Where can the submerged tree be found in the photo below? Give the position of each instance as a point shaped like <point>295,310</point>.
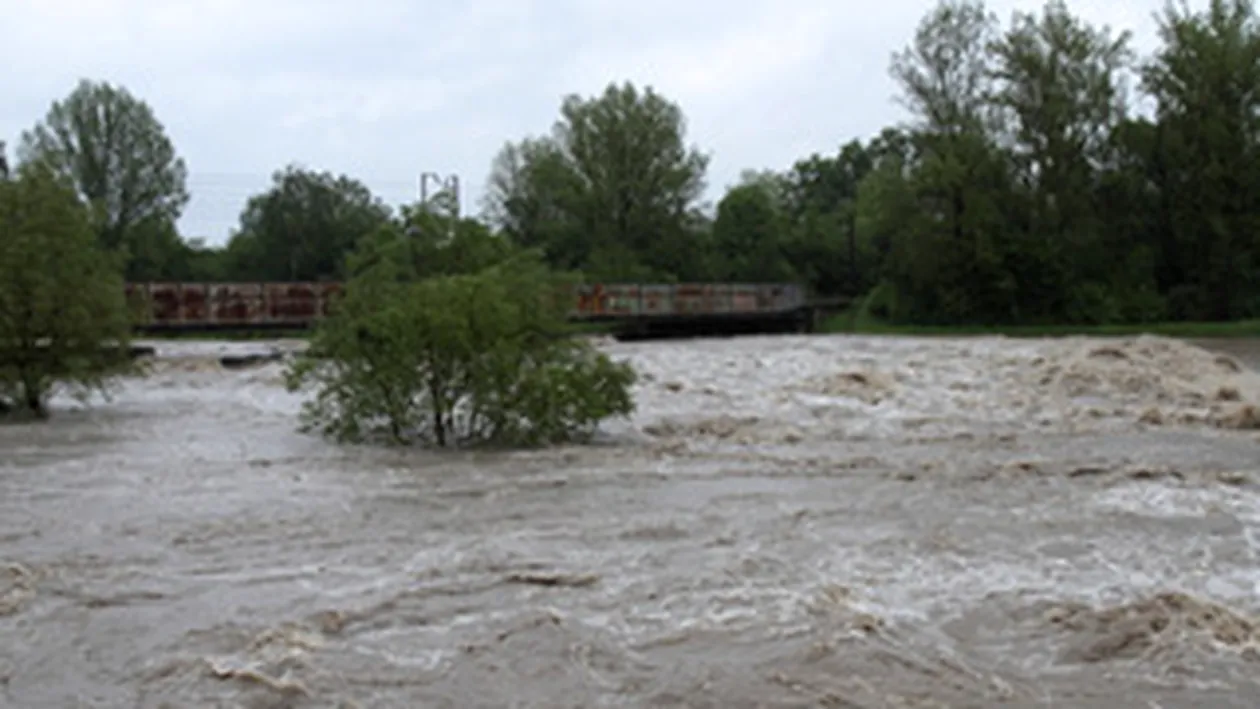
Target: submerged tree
<point>64,318</point>
<point>457,359</point>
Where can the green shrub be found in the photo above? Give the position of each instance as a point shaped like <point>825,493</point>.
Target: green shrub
<point>64,318</point>
<point>462,359</point>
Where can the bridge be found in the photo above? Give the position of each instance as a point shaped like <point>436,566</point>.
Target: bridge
<point>629,310</point>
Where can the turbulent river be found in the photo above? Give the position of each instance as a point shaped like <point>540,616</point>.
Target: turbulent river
<point>786,522</point>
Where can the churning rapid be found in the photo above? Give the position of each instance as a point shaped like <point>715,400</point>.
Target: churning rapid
<point>786,522</point>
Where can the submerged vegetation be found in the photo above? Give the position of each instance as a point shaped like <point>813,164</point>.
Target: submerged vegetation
<point>455,359</point>
<point>64,321</point>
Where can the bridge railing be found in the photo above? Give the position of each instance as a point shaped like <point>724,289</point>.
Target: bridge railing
<point>298,305</point>
<point>637,300</point>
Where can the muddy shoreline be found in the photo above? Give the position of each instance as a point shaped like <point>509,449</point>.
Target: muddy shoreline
<point>787,522</point>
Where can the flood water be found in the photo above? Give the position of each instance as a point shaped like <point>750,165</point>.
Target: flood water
<point>786,522</point>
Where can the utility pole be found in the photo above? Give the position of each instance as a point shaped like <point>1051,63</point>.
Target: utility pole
<point>447,191</point>
<point>447,186</point>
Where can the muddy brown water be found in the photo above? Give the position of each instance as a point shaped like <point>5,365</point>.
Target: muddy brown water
<point>786,522</point>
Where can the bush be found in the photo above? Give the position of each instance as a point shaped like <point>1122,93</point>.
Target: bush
<point>64,319</point>
<point>455,359</point>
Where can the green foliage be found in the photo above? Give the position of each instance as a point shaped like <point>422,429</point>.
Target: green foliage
<point>446,245</point>
<point>946,70</point>
<point>822,241</point>
<point>117,153</point>
<point>748,236</point>
<point>63,315</point>
<point>302,228</point>
<point>1204,81</point>
<point>1029,195</point>
<point>946,220</point>
<point>612,191</point>
<point>460,358</point>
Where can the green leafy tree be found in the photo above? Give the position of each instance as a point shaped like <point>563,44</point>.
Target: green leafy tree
<point>157,253</point>
<point>1062,83</point>
<point>303,227</point>
<point>1205,83</point>
<point>885,209</point>
<point>822,194</point>
<point>1134,221</point>
<point>945,73</point>
<point>775,184</point>
<point>64,319</point>
<point>947,264</point>
<point>442,244</point>
<point>749,235</point>
<point>197,262</point>
<point>121,161</point>
<point>533,198</point>
<point>612,191</point>
<point>465,359</point>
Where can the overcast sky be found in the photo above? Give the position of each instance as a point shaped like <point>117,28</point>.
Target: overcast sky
<point>386,89</point>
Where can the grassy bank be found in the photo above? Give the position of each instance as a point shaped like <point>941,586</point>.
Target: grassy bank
<point>859,324</point>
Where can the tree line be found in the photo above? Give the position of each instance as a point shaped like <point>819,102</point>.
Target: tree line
<point>1046,173</point>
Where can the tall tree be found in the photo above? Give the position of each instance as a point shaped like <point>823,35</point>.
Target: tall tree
<point>532,197</point>
<point>948,265</point>
<point>945,73</point>
<point>302,228</point>
<point>1205,82</point>
<point>118,154</point>
<point>612,190</point>
<point>1061,82</point>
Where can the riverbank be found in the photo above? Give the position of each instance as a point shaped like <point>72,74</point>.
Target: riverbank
<point>857,324</point>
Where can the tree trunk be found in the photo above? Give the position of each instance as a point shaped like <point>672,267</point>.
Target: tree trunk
<point>854,288</point>
<point>34,396</point>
